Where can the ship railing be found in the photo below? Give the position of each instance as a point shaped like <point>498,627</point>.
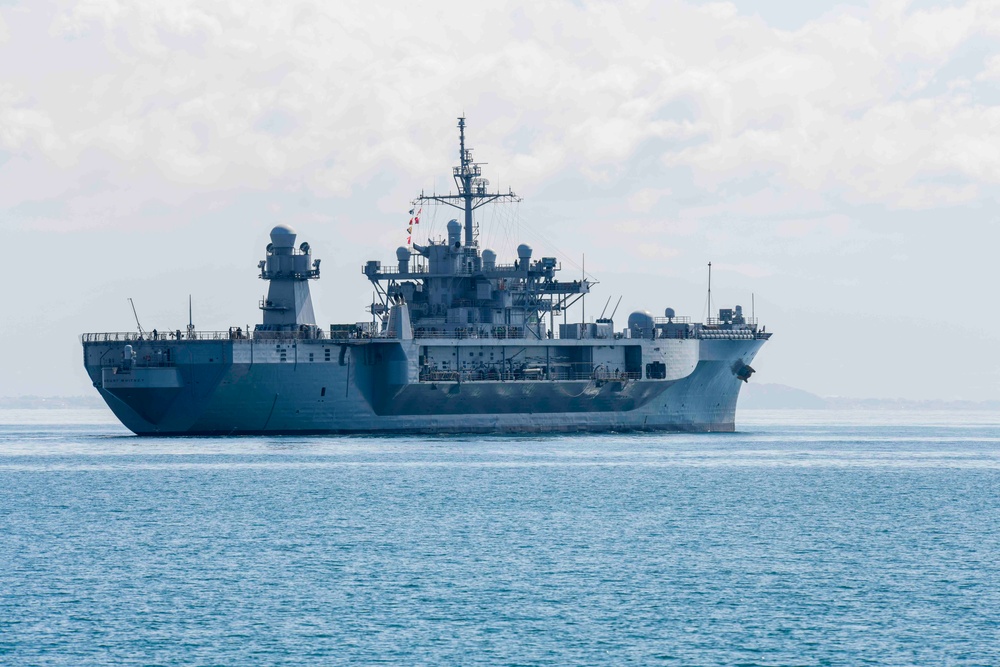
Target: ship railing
<point>181,335</point>
<point>672,320</point>
<point>528,374</point>
<point>463,269</point>
<point>675,333</point>
<point>140,363</point>
<point>679,333</point>
<point>608,375</point>
<point>532,369</point>
<point>394,270</point>
<point>715,321</point>
<point>494,333</point>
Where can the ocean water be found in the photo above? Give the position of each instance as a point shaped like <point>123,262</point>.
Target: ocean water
<point>809,538</point>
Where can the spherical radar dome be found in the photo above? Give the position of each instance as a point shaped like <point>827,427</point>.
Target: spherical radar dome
<point>283,236</point>
<point>640,319</point>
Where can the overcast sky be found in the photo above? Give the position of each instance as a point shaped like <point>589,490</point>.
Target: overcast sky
<point>838,161</point>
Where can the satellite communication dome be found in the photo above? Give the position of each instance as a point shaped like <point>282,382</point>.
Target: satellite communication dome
<point>454,232</point>
<point>524,252</point>
<point>283,236</point>
<point>640,319</point>
<point>403,254</point>
<point>669,313</point>
<point>489,260</point>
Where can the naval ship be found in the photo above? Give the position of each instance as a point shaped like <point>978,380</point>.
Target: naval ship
<point>459,341</point>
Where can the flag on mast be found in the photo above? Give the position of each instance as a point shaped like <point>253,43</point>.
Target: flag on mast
<point>414,220</point>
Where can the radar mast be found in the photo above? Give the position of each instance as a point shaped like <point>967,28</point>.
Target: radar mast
<point>473,189</point>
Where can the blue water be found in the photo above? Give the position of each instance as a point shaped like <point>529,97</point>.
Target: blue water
<point>806,539</point>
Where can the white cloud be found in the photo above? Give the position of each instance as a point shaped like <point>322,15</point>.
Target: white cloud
<point>657,251</point>
<point>744,269</point>
<point>991,71</point>
<point>241,94</point>
<point>643,201</point>
<point>834,107</point>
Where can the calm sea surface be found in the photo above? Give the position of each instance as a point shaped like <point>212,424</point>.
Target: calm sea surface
<point>809,538</point>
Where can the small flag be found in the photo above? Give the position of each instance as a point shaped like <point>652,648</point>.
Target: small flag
<point>411,221</point>
<point>411,211</point>
<point>409,230</point>
<point>408,240</point>
<point>416,220</point>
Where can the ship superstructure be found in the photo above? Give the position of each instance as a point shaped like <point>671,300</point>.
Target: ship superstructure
<point>461,342</point>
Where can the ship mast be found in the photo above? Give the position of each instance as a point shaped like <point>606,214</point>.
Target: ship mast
<point>473,189</point>
<point>460,286</point>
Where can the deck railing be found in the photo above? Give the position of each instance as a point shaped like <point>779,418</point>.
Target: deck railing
<point>531,375</point>
<point>493,333</point>
<point>499,333</point>
<point>175,335</point>
<point>715,321</point>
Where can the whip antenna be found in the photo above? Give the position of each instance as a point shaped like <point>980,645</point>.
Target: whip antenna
<point>606,304</point>
<point>709,316</point>
<point>135,315</point>
<point>616,307</point>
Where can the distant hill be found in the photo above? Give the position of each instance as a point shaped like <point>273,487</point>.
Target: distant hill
<point>779,397</point>
<point>50,402</point>
<point>782,397</point>
<point>840,403</point>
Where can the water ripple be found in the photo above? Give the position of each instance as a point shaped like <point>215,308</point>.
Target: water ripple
<point>798,541</point>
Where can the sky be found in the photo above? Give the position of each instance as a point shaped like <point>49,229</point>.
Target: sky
<point>838,163</point>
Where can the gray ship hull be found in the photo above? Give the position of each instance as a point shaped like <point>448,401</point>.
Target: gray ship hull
<point>460,341</point>
<point>241,387</point>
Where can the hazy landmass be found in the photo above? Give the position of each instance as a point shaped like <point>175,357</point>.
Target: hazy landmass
<point>779,396</point>
<point>50,402</point>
